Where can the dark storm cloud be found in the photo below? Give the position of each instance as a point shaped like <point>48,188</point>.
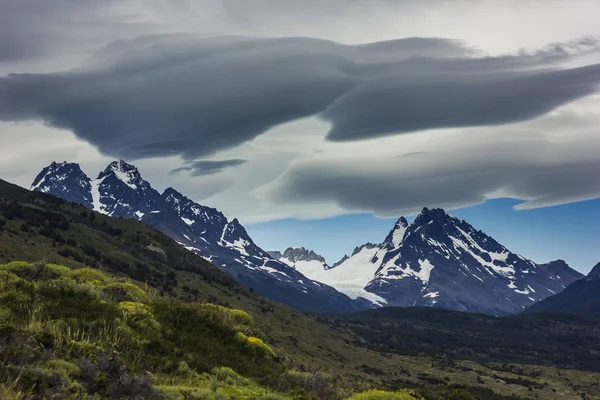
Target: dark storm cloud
<point>183,95</point>
<point>200,168</point>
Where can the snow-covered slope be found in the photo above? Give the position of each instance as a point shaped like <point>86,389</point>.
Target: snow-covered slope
<point>120,191</point>
<point>441,261</point>
<point>349,277</point>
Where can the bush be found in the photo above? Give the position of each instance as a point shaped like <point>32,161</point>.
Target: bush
<point>381,395</point>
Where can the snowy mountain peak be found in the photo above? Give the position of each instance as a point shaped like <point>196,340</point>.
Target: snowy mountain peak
<point>396,236</point>
<point>126,173</point>
<point>234,233</point>
<point>65,180</point>
<point>120,191</point>
<point>441,256</point>
<point>192,212</point>
<point>401,223</point>
<point>432,216</point>
<point>172,195</point>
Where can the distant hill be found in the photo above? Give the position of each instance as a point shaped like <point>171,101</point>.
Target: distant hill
<point>581,297</point>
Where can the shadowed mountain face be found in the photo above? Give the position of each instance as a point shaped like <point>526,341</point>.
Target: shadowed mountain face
<point>581,297</point>
<point>120,191</point>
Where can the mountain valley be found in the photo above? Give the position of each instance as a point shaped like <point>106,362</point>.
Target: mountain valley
<point>36,226</point>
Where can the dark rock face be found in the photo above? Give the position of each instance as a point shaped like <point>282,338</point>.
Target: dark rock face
<point>121,192</point>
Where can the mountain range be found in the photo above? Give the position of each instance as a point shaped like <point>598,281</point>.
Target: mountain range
<point>436,261</point>
<point>120,191</point>
<point>442,261</point>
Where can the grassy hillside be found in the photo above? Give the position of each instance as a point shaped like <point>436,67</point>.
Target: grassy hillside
<point>35,227</point>
<point>80,333</point>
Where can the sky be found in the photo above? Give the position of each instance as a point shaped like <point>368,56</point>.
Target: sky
<point>319,123</point>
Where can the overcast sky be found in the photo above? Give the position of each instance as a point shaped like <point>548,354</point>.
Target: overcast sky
<point>279,109</point>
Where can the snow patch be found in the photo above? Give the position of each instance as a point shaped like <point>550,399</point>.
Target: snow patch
<point>96,203</point>
<point>187,220</point>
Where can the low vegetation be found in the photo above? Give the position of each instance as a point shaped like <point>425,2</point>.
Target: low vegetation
<point>83,334</point>
<point>559,340</point>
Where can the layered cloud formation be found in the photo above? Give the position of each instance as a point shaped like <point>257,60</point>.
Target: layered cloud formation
<point>269,110</point>
<point>450,170</point>
<point>188,96</point>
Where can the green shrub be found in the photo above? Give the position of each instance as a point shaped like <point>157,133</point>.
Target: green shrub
<point>89,275</point>
<point>381,395</point>
<point>124,291</point>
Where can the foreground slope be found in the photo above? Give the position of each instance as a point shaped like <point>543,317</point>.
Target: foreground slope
<point>120,191</point>
<point>581,297</point>
<point>34,226</point>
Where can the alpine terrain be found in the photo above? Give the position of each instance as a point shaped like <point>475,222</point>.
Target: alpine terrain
<point>441,261</point>
<point>119,191</point>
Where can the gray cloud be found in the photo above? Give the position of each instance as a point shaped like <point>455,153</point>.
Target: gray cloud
<point>457,171</point>
<point>200,168</point>
<point>183,95</point>
<point>31,30</point>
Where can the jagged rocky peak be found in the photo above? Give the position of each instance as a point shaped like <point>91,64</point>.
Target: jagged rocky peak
<point>235,231</point>
<point>436,224</point>
<point>436,217</point>
<point>186,207</point>
<point>295,254</point>
<point>396,236</point>
<point>177,201</point>
<point>58,172</point>
<point>120,191</point>
<point>65,180</point>
<point>126,173</point>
